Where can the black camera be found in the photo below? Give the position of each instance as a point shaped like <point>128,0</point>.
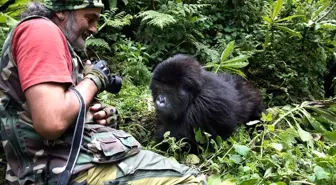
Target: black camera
<point>115,84</point>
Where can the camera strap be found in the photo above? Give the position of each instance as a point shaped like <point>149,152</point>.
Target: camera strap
<point>76,141</point>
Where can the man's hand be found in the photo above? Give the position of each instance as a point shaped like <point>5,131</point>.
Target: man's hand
<point>104,115</point>
<point>100,74</point>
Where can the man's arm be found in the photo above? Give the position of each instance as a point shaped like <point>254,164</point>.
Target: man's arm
<point>54,107</point>
<point>45,69</point>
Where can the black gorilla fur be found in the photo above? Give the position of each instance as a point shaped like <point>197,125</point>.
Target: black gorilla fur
<point>186,97</point>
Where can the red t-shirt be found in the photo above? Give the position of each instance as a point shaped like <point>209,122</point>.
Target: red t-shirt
<point>41,53</point>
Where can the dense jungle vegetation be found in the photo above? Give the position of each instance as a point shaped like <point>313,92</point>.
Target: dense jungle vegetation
<point>287,48</point>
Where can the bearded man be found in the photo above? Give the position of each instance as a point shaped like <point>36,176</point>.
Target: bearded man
<point>44,86</point>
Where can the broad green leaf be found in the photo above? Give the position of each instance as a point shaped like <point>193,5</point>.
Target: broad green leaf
<point>322,8</point>
<point>214,180</point>
<point>328,26</point>
<point>192,159</point>
<point>325,115</point>
<point>3,18</point>
<point>228,29</point>
<point>266,118</point>
<point>267,19</point>
<point>236,159</point>
<point>241,149</point>
<point>312,121</point>
<point>276,9</point>
<point>277,146</point>
<point>11,22</point>
<point>210,64</point>
<point>15,9</point>
<point>194,19</point>
<point>237,71</point>
<point>199,136</point>
<point>271,128</point>
<point>8,20</point>
<point>268,172</point>
<point>236,65</point>
<point>331,136</point>
<point>290,31</point>
<point>304,135</point>
<point>289,18</point>
<point>219,140</point>
<point>227,51</point>
<point>317,125</point>
<point>320,173</point>
<point>249,182</point>
<point>332,151</point>
<point>240,58</point>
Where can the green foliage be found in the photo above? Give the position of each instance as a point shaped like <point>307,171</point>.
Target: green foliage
<point>98,43</point>
<point>294,54</point>
<point>135,107</point>
<point>285,149</point>
<point>233,64</point>
<point>111,23</point>
<point>171,28</point>
<point>6,24</point>
<point>157,19</point>
<point>134,58</point>
<point>15,9</point>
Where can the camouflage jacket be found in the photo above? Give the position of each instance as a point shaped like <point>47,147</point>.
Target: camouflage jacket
<point>31,159</point>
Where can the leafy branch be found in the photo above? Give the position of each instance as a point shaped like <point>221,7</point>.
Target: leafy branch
<point>233,64</point>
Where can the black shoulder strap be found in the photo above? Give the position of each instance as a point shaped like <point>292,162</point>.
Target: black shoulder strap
<point>76,141</point>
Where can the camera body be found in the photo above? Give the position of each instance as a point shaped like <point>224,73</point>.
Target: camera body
<point>114,82</point>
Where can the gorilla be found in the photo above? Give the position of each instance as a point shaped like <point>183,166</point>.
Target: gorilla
<point>186,96</point>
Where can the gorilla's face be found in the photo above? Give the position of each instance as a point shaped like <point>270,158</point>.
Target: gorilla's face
<point>170,102</point>
<point>175,84</point>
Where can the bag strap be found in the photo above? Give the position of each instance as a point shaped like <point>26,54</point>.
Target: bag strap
<point>76,141</point>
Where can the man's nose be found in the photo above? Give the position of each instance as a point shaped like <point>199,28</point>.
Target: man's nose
<point>93,29</point>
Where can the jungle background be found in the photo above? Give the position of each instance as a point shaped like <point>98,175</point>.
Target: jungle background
<point>287,48</point>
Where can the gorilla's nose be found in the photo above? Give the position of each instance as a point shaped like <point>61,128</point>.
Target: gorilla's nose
<point>161,100</point>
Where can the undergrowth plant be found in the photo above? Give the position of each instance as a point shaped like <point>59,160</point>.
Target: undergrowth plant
<point>293,144</point>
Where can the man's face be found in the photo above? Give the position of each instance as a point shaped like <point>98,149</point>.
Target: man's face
<point>79,25</point>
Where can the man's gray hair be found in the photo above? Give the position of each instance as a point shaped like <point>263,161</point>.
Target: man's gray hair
<point>36,8</point>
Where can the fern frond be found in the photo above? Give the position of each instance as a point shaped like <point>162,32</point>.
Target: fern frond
<point>120,22</point>
<point>157,19</point>
<point>120,15</point>
<point>101,43</point>
<point>194,8</point>
<point>110,12</point>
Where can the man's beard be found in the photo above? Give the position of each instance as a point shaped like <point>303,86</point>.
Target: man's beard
<point>70,30</point>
